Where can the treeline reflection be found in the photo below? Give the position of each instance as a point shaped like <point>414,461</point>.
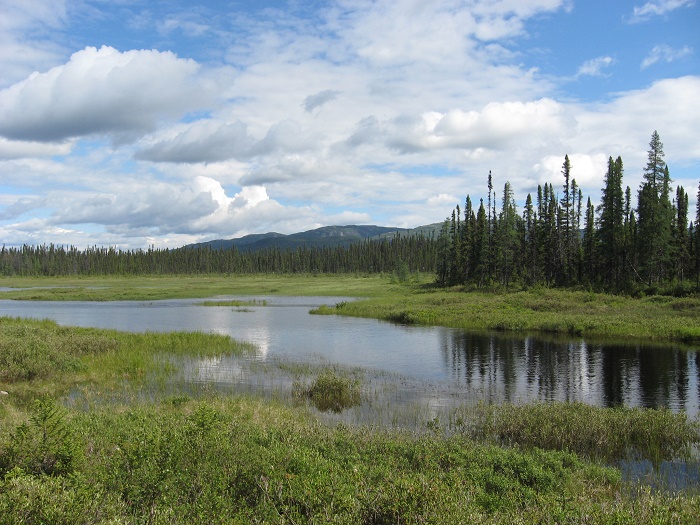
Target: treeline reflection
<point>502,368</point>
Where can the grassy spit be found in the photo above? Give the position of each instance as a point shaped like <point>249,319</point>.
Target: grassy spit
<point>189,457</point>
<point>574,313</point>
<point>578,313</point>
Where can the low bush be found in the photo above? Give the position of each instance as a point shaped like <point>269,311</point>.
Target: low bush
<point>331,392</point>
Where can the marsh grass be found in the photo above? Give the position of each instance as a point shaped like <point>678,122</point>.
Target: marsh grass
<point>598,434</point>
<point>39,358</point>
<point>330,392</point>
<point>573,313</point>
<point>237,303</point>
<point>244,460</point>
<point>145,288</point>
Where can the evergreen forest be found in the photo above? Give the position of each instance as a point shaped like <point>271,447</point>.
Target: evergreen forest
<point>402,254</point>
<point>560,240</point>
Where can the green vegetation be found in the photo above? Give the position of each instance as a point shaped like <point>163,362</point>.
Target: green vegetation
<point>369,256</point>
<point>237,303</point>
<point>330,392</point>
<point>587,314</point>
<point>151,288</point>
<point>197,457</point>
<point>613,247</point>
<point>40,357</point>
<point>607,435</point>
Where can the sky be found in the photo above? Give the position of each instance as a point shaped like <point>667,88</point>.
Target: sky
<point>134,124</point>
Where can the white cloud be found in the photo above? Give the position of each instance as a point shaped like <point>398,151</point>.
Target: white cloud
<point>658,8</point>
<point>666,54</point>
<point>319,99</point>
<point>587,169</point>
<point>21,54</point>
<point>494,127</point>
<point>212,141</point>
<point>101,91</point>
<point>14,149</point>
<point>595,66</point>
<point>443,200</point>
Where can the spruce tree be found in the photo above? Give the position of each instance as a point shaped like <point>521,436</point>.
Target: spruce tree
<point>654,215</point>
<point>611,226</point>
<point>481,246</point>
<point>566,219</point>
<point>589,244</point>
<point>681,242</point>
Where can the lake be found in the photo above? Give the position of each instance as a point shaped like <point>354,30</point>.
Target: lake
<point>438,366</point>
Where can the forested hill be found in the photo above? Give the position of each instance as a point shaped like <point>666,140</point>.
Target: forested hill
<point>335,249</point>
<point>325,237</point>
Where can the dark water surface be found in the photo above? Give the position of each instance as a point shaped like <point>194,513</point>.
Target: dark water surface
<point>489,367</point>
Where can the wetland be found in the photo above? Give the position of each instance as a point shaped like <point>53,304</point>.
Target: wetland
<point>551,413</point>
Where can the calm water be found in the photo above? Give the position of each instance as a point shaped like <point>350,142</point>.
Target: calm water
<point>470,366</point>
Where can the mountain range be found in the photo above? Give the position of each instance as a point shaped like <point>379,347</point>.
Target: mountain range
<point>326,236</point>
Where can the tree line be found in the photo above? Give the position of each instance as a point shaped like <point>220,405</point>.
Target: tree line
<point>415,253</point>
<point>560,240</point>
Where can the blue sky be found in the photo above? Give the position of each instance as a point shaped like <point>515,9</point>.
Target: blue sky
<point>131,123</point>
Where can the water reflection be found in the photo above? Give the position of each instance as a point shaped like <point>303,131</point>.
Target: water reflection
<point>514,369</point>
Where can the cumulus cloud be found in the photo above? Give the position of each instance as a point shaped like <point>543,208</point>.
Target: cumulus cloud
<point>587,169</point>
<point>319,99</point>
<point>210,141</point>
<point>664,53</point>
<point>100,91</point>
<point>203,141</point>
<point>497,125</point>
<point>163,206</point>
<point>20,55</point>
<point>594,67</point>
<point>328,116</point>
<point>14,149</point>
<point>624,124</point>
<point>657,8</point>
<point>443,200</point>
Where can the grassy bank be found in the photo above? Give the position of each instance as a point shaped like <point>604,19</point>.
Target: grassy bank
<point>199,457</point>
<point>578,313</point>
<point>574,313</point>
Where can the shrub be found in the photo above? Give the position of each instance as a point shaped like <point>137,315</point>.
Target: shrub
<point>43,445</point>
<point>331,392</point>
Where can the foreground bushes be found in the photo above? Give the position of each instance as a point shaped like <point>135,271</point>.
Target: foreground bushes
<point>244,461</point>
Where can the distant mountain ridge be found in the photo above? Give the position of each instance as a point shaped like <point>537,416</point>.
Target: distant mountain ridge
<point>326,236</point>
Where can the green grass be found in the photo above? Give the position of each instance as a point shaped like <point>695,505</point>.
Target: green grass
<point>41,357</point>
<point>239,460</point>
<point>236,303</point>
<point>573,313</point>
<point>182,457</point>
<point>416,301</point>
<point>599,434</point>
<point>330,392</point>
<point>185,287</point>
